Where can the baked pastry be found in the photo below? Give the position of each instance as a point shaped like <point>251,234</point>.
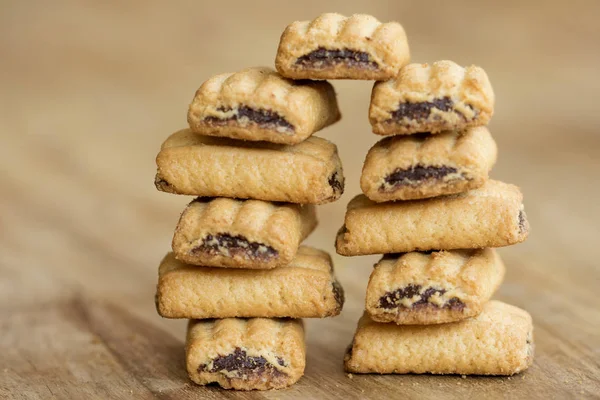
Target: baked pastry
<point>499,341</point>
<point>333,46</point>
<point>307,173</point>
<point>425,165</point>
<point>246,354</point>
<point>432,98</point>
<point>259,104</point>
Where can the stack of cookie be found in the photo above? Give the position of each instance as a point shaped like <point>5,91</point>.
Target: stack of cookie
<point>238,270</point>
<point>333,46</point>
<point>430,208</point>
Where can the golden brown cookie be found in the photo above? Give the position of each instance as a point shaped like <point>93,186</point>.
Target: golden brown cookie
<point>333,46</point>
<point>499,341</point>
<point>433,288</point>
<point>259,104</point>
<point>246,354</point>
<point>309,172</point>
<point>305,288</point>
<point>425,165</point>
<point>491,216</point>
<point>222,232</point>
<point>424,98</point>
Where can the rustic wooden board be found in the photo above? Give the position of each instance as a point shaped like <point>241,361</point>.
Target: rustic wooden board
<point>88,94</point>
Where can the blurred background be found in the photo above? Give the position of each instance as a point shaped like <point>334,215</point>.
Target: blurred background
<point>89,90</point>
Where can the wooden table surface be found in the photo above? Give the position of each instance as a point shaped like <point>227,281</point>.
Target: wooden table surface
<point>90,91</point>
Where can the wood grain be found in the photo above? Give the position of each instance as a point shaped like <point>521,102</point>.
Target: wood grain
<point>89,91</point>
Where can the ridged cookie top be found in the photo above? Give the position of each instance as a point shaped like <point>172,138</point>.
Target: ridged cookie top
<point>251,332</point>
<point>423,82</point>
<point>385,42</point>
<point>278,341</point>
<point>253,218</point>
<point>466,270</point>
<point>260,84</point>
<point>448,148</point>
<point>492,188</point>
<point>262,88</point>
<point>314,147</point>
<point>307,258</point>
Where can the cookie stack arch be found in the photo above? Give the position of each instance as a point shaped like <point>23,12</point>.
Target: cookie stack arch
<point>238,270</point>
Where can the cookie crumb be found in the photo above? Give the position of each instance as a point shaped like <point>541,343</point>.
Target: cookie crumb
<point>350,376</point>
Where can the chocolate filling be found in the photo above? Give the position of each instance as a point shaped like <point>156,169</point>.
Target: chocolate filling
<point>264,118</point>
<point>243,364</point>
<point>522,221</point>
<point>161,183</point>
<point>415,175</point>
<point>394,256</point>
<point>322,58</point>
<point>335,183</point>
<point>338,294</point>
<point>202,200</point>
<point>212,244</point>
<point>422,110</point>
<point>349,350</point>
<point>392,299</point>
<point>342,231</point>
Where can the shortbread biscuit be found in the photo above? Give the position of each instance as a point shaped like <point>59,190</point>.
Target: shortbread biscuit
<point>491,216</point>
<point>499,341</point>
<point>246,354</point>
<point>307,173</point>
<point>305,288</point>
<point>333,46</point>
<point>425,165</point>
<point>432,288</point>
<point>423,98</point>
<point>259,104</point>
<point>222,232</point>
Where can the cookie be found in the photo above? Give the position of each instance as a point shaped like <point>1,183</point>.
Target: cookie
<point>433,288</point>
<point>423,98</point>
<point>499,341</point>
<point>259,104</point>
<point>246,354</point>
<point>305,288</point>
<point>222,232</point>
<point>491,216</point>
<point>425,165</point>
<point>309,172</point>
<point>333,46</point>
